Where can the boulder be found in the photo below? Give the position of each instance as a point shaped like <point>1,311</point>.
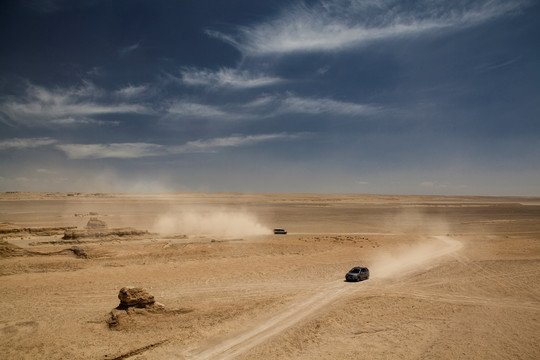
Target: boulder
<point>135,296</point>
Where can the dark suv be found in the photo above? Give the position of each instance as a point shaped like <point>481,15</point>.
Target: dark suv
<point>280,231</point>
<point>357,274</point>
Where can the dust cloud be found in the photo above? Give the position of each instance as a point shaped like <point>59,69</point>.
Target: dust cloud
<point>214,222</point>
<point>406,259</point>
<point>419,255</point>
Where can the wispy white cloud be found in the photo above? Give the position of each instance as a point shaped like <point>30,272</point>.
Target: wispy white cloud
<point>41,106</point>
<point>486,67</point>
<point>82,121</point>
<point>289,103</point>
<point>339,24</point>
<point>128,49</point>
<point>268,106</point>
<point>224,37</point>
<point>95,71</point>
<point>302,105</point>
<point>130,91</point>
<point>227,77</point>
<point>25,143</point>
<point>202,111</point>
<point>323,70</point>
<point>118,151</point>
<point>212,145</point>
<point>140,150</point>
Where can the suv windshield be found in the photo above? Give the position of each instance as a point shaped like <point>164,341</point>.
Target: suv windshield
<point>355,270</point>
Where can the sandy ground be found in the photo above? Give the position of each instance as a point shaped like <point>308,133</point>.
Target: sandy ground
<point>451,277</point>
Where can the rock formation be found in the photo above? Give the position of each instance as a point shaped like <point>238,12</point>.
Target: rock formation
<point>133,301</point>
<point>135,296</point>
<point>94,223</point>
<point>78,235</point>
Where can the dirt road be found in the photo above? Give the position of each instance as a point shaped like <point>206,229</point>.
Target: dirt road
<point>326,294</point>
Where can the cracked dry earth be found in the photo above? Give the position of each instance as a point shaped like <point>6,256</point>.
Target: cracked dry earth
<point>450,278</point>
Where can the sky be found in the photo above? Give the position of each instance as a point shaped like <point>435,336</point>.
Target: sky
<point>331,96</point>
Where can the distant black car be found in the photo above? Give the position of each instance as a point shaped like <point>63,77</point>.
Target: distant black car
<point>357,274</point>
<point>280,231</point>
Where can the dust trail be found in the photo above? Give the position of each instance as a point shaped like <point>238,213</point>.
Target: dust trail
<point>216,222</point>
<point>413,258</point>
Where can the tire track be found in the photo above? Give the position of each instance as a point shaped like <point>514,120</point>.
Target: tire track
<point>233,347</point>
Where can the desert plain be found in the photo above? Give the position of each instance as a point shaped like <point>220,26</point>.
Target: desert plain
<point>451,277</point>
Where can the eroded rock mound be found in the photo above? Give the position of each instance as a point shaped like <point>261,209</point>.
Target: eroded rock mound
<point>96,224</point>
<point>10,230</point>
<point>10,250</point>
<point>102,233</point>
<point>133,301</point>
